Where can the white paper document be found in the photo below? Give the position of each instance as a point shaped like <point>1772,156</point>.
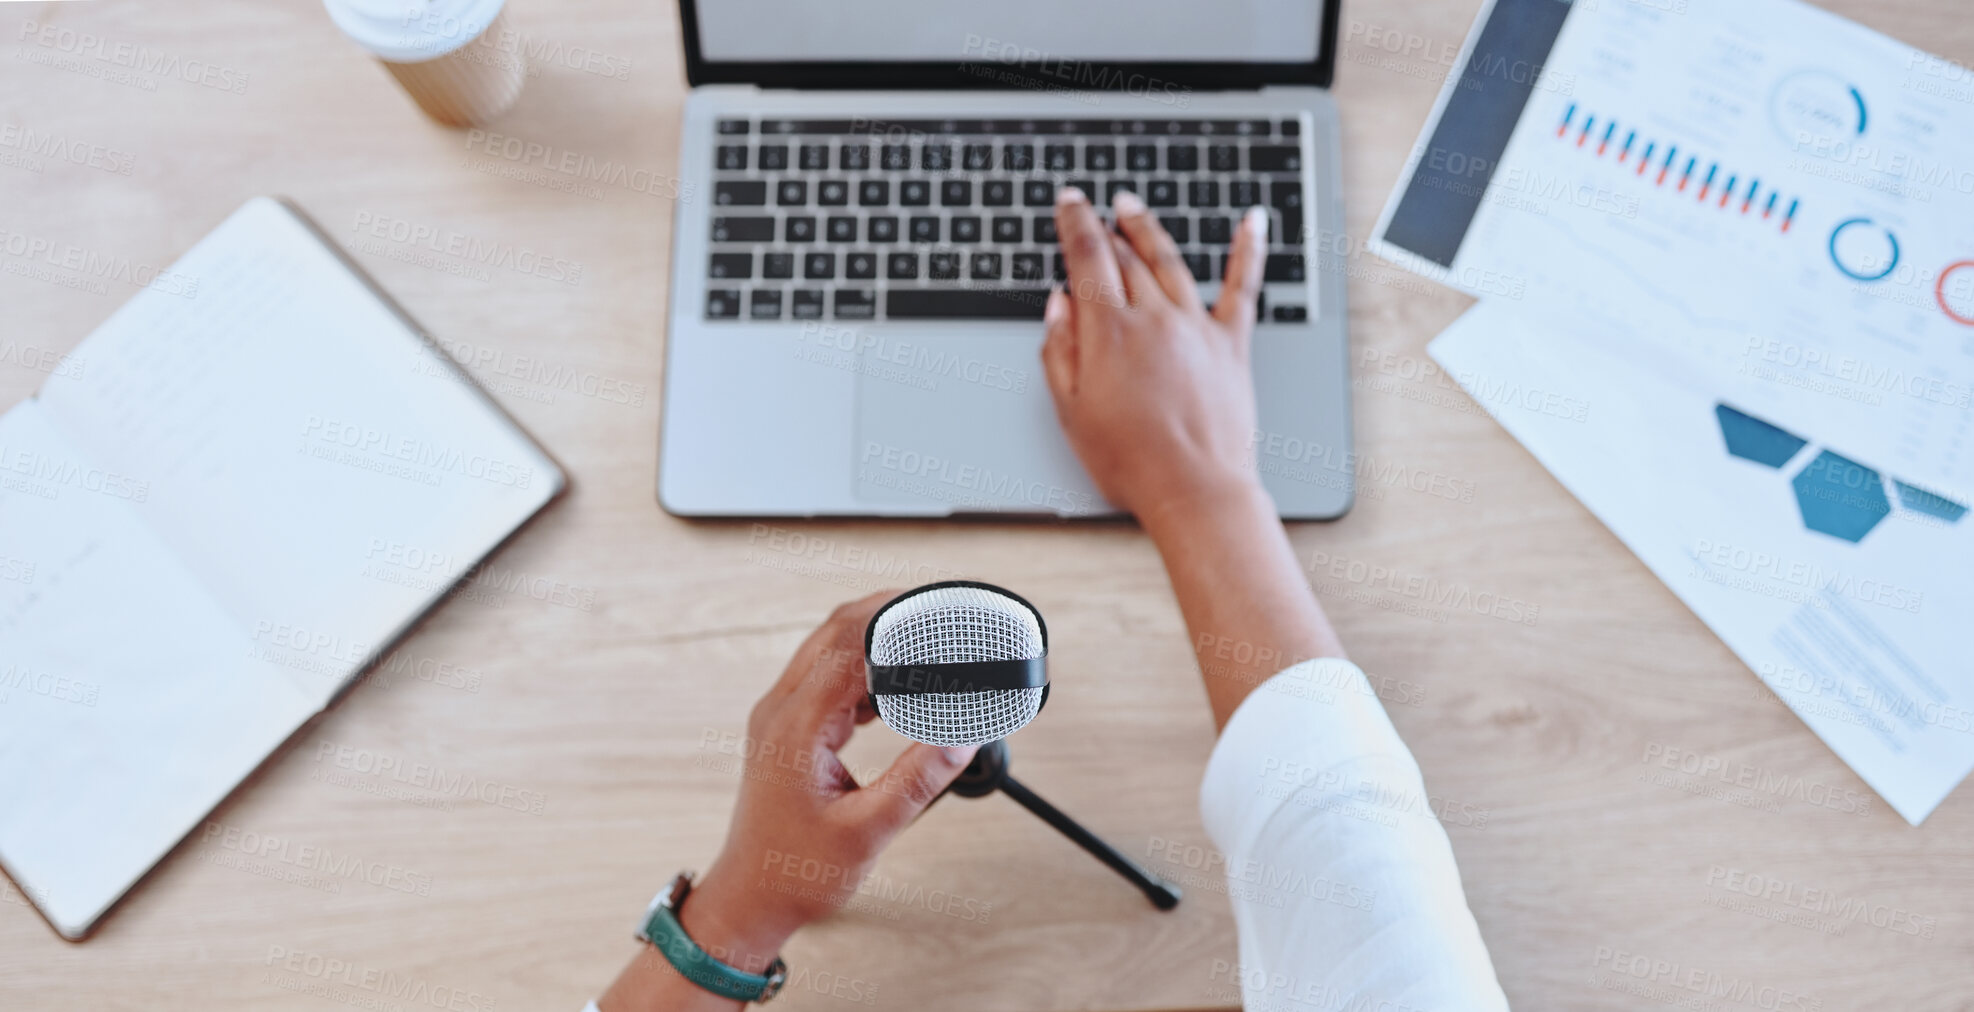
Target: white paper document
<point>203,529</point>
<point>1865,640</point>
<point>1743,234</point>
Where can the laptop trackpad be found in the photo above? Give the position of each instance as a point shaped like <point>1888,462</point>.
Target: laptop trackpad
<point>962,424</point>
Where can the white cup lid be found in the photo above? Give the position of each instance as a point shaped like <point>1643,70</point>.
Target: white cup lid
<point>412,31</point>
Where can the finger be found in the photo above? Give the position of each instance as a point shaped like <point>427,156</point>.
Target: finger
<point>1139,285</point>
<point>830,661</point>
<point>919,775</point>
<point>1059,345</point>
<point>1086,250</point>
<point>1155,247</point>
<point>1247,255</point>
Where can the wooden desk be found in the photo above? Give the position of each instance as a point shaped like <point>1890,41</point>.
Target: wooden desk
<point>608,667</point>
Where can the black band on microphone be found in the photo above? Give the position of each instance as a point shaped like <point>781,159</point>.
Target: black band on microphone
<point>958,676</point>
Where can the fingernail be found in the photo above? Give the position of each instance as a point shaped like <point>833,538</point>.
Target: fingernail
<point>1071,195</point>
<point>1257,218</point>
<point>959,756</point>
<point>1052,310</point>
<point>1127,202</point>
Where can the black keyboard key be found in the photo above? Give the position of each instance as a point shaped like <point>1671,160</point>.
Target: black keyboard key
<point>791,192</point>
<point>740,192</point>
<point>832,193</point>
<point>1089,188</point>
<point>937,158</point>
<point>733,156</point>
<point>986,267</point>
<point>1038,193</point>
<point>1061,272</point>
<point>860,266</point>
<point>965,303</point>
<point>925,229</point>
<point>895,157</point>
<point>1027,267</point>
<point>1243,193</point>
<point>1223,158</point>
<point>1181,229</point>
<point>1007,229</point>
<point>1215,230</point>
<point>1291,314</point>
<point>776,266</point>
<point>764,304</point>
<point>819,265</point>
<point>743,229</point>
<point>1203,193</point>
<point>956,193</point>
<point>1116,186</point>
<point>807,305</point>
<point>1045,228</point>
<point>997,193</point>
<point>1162,193</point>
<point>1201,265</point>
<point>1018,157</point>
<point>815,156</point>
<point>874,193</point>
<point>943,267</point>
<point>855,304</point>
<point>1141,158</point>
<point>723,303</point>
<point>914,192</point>
<point>801,229</point>
<point>1273,158</point>
<point>1100,157</point>
<point>901,266</point>
<point>841,229</point>
<point>966,229</point>
<point>1059,157</point>
<point>1182,158</point>
<point>1286,197</point>
<point>854,156</point>
<point>731,265</point>
<point>1283,267</point>
<point>1291,128</point>
<point>774,156</point>
<point>978,157</point>
<point>729,127</point>
<point>884,229</point>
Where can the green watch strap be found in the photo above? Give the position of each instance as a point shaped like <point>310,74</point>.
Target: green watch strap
<point>695,964</point>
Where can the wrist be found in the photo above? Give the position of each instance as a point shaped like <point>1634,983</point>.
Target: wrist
<point>1204,506</point>
<point>731,921</point>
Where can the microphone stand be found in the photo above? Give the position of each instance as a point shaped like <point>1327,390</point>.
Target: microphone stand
<point>988,772</point>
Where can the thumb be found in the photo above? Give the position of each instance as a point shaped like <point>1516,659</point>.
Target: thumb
<point>914,779</point>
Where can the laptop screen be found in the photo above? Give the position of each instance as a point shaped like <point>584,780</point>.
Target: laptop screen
<point>1073,44</point>
<point>1265,31</point>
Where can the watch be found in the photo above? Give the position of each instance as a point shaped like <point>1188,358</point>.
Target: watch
<point>662,929</point>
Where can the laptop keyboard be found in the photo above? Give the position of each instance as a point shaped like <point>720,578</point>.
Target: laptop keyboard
<point>954,219</point>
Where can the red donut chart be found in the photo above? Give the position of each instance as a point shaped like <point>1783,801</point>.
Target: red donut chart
<point>1940,292</point>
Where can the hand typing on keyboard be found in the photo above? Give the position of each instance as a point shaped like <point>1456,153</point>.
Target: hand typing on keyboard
<point>1153,388</point>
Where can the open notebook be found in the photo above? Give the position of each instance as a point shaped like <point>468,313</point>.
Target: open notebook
<point>246,485</point>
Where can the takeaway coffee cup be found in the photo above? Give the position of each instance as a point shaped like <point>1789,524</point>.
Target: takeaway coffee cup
<point>443,52</point>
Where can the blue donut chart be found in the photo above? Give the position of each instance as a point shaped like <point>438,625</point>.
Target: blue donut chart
<point>1854,275</point>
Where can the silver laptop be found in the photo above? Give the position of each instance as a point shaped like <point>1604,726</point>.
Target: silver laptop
<point>865,240</point>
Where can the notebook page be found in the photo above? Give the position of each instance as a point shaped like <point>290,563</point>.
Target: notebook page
<point>127,709</point>
<point>301,443</point>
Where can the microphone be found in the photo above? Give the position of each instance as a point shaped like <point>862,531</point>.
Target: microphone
<point>957,663</point>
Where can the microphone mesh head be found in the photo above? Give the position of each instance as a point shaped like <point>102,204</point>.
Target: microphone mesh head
<point>957,624</point>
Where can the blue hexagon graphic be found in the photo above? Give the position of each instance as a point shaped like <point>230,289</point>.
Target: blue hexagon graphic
<point>1750,438</point>
<point>1840,497</point>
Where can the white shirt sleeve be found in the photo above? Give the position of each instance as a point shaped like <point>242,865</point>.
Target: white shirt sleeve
<point>1344,888</point>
